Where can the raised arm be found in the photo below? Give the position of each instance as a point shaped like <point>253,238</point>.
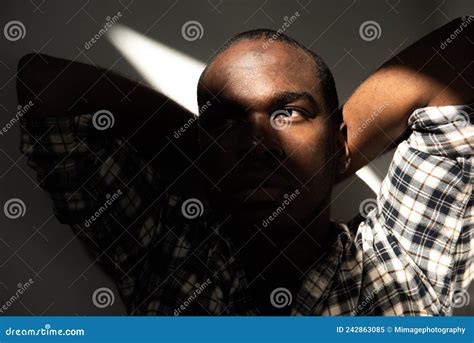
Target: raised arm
<point>60,87</point>
<point>436,70</point>
<point>107,185</point>
<point>423,217</point>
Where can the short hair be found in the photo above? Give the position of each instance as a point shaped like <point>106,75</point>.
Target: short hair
<point>327,84</point>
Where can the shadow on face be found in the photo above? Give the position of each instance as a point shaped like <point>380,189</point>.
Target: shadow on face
<point>269,147</point>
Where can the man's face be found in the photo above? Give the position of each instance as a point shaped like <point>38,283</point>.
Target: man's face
<point>267,140</point>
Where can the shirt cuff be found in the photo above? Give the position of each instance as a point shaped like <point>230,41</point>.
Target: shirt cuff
<point>443,130</point>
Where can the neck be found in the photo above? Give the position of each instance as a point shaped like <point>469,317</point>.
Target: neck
<point>271,262</point>
<point>279,257</point>
<point>308,246</point>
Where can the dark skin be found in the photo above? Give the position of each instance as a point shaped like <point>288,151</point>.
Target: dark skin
<point>246,85</point>
<point>252,164</point>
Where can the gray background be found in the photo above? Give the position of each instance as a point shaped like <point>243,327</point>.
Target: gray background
<point>36,246</point>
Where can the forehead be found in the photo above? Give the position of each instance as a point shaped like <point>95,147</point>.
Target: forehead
<point>249,72</point>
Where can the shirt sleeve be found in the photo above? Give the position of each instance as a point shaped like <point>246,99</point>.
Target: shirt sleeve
<point>426,199</point>
<point>111,198</point>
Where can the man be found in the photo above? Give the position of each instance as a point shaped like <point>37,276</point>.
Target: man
<point>239,223</point>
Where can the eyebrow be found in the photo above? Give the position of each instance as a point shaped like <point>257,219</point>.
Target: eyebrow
<point>279,99</point>
<point>286,96</point>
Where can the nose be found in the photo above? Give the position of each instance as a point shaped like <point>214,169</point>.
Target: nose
<point>260,138</point>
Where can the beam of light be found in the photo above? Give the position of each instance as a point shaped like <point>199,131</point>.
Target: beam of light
<point>167,70</point>
<point>370,177</point>
<point>176,75</point>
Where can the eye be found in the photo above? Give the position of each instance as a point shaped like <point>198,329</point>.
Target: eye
<point>287,114</point>
<point>293,112</point>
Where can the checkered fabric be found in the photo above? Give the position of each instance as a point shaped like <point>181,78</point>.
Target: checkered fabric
<point>408,257</point>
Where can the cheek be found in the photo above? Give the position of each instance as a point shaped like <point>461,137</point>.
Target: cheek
<point>312,162</point>
<point>309,150</point>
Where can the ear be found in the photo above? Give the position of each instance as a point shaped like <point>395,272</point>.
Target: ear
<point>344,157</point>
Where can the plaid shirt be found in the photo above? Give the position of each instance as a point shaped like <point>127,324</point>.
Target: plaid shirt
<point>408,257</point>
